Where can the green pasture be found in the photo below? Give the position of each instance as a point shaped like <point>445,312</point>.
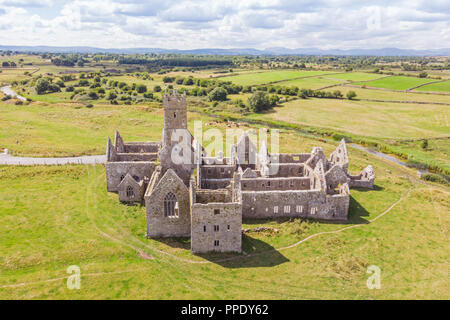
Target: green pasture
<point>395,83</point>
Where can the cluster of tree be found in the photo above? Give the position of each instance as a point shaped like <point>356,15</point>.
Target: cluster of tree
<point>261,101</point>
<point>45,85</point>
<point>178,61</point>
<point>9,64</point>
<point>69,60</point>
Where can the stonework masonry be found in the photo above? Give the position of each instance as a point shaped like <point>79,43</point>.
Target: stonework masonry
<point>207,199</point>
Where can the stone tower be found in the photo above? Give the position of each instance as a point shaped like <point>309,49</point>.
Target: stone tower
<point>175,114</point>
<point>176,139</point>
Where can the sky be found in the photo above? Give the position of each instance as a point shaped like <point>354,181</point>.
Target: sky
<point>260,24</point>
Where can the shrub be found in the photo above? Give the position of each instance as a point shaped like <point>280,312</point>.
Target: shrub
<point>423,75</point>
<point>141,88</point>
<point>157,89</point>
<point>274,99</point>
<point>188,81</point>
<point>424,144</point>
<point>83,83</point>
<point>70,89</point>
<point>167,79</point>
<point>259,101</point>
<point>351,95</point>
<point>89,105</point>
<point>93,95</point>
<point>218,94</point>
<point>42,86</point>
<point>111,96</point>
<point>435,178</point>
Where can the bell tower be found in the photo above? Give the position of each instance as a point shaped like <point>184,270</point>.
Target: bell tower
<point>175,134</point>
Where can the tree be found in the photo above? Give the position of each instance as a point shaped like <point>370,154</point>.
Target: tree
<point>274,99</point>
<point>111,96</point>
<point>157,89</point>
<point>168,79</point>
<point>141,88</point>
<point>337,94</point>
<point>42,86</point>
<point>259,101</point>
<point>424,144</point>
<point>188,81</point>
<point>218,94</point>
<point>423,75</point>
<point>351,95</point>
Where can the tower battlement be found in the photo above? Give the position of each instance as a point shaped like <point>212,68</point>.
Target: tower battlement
<point>175,100</point>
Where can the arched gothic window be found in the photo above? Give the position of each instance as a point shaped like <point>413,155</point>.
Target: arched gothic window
<point>170,205</point>
<point>130,192</point>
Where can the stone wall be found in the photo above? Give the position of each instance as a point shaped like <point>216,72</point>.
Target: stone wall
<point>136,157</point>
<point>217,171</point>
<point>286,170</point>
<point>137,188</point>
<point>208,196</point>
<point>141,147</point>
<point>215,183</point>
<point>290,157</point>
<point>268,184</point>
<point>216,227</point>
<point>275,204</point>
<point>116,171</point>
<point>158,225</point>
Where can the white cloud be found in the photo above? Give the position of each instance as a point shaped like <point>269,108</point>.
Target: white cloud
<point>183,24</point>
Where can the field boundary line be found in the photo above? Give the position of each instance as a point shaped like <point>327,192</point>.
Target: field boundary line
<point>425,84</point>
<point>392,90</point>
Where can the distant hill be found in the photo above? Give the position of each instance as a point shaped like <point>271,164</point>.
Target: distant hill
<point>236,51</point>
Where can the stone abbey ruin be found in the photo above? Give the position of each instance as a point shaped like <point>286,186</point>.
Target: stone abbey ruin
<point>206,198</point>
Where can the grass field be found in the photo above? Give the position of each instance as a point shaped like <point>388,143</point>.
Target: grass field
<point>64,216</point>
<point>40,129</point>
<point>311,83</point>
<point>271,76</point>
<point>385,123</point>
<point>437,87</point>
<point>380,120</point>
<point>396,83</point>
<point>395,95</point>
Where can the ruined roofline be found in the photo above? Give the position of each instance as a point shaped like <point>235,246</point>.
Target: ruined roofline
<point>174,97</point>
<point>143,142</point>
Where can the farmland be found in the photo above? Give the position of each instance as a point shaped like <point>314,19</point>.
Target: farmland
<point>395,83</point>
<point>270,77</point>
<point>436,87</point>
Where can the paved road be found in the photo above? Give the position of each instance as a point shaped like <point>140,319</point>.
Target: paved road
<point>10,92</point>
<point>28,161</point>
